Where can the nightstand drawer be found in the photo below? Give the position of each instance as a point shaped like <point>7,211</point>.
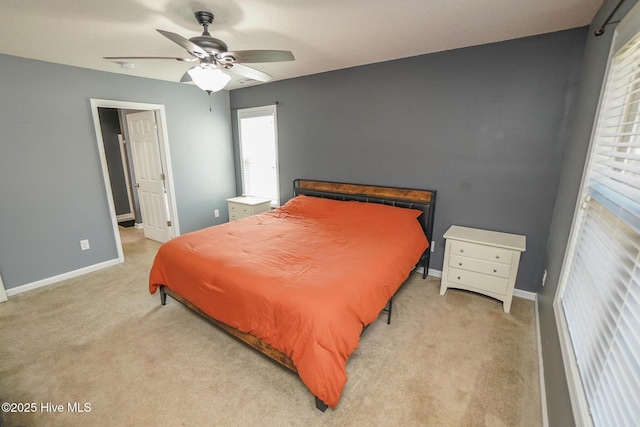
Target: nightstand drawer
<point>480,266</point>
<point>481,281</point>
<point>236,215</point>
<point>239,208</point>
<point>484,252</point>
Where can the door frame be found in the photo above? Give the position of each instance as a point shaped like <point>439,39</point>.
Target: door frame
<point>163,138</point>
<point>125,167</point>
<point>3,292</point>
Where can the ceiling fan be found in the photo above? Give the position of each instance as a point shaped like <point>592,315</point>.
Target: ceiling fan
<point>213,57</point>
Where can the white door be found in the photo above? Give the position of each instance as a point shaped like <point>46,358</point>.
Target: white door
<point>145,151</point>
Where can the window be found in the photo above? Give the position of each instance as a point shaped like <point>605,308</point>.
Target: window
<point>258,137</point>
<point>598,303</point>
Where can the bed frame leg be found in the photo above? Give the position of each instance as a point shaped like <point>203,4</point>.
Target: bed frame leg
<point>321,405</point>
<point>163,296</point>
<point>425,265</point>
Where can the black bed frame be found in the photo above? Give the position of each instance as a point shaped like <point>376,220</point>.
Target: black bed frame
<point>423,200</point>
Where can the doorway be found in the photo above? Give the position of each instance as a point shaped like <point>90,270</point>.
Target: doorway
<point>118,155</point>
<point>153,165</point>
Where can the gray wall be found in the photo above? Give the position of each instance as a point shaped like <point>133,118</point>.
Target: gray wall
<point>52,193</point>
<point>593,69</point>
<point>485,126</point>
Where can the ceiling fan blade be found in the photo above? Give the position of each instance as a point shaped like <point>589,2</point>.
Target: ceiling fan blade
<point>252,73</point>
<point>255,56</point>
<point>191,47</point>
<point>116,58</point>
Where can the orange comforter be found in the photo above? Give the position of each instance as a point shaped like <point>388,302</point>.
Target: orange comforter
<point>305,278</point>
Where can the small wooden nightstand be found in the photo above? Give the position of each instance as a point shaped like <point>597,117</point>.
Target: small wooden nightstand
<point>482,261</point>
<point>244,206</point>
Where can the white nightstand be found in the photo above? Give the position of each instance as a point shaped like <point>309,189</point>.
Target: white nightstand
<point>482,261</point>
<point>244,206</point>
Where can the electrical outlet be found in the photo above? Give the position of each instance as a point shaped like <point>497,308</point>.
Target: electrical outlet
<point>433,246</point>
<point>84,245</point>
<point>544,276</point>
<point>216,213</point>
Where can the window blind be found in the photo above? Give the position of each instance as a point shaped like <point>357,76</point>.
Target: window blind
<point>600,296</point>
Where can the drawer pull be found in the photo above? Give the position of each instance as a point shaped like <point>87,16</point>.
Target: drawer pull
<point>459,263</point>
<point>461,250</point>
<point>495,271</point>
<point>497,256</point>
<point>459,277</point>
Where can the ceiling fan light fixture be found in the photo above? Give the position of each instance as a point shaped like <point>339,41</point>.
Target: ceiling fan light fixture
<point>214,58</point>
<point>209,79</point>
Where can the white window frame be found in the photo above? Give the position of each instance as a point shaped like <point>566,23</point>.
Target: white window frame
<point>626,30</point>
<point>266,110</point>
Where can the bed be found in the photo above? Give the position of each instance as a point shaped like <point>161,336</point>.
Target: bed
<point>301,282</point>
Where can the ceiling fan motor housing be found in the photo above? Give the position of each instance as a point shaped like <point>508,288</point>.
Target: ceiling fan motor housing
<point>210,44</point>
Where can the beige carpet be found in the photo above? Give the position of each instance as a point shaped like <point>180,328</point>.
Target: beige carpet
<point>101,339</point>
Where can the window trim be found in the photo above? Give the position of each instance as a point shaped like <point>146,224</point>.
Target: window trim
<point>245,113</point>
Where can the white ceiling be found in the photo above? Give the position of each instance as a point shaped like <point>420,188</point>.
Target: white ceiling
<point>323,35</point>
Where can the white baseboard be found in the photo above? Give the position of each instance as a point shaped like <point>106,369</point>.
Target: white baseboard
<point>63,276</point>
<point>532,296</point>
<point>543,389</point>
<point>139,225</point>
<point>432,272</point>
<point>125,217</point>
<point>435,273</point>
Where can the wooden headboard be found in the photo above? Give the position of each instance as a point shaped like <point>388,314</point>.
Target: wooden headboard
<point>423,200</point>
